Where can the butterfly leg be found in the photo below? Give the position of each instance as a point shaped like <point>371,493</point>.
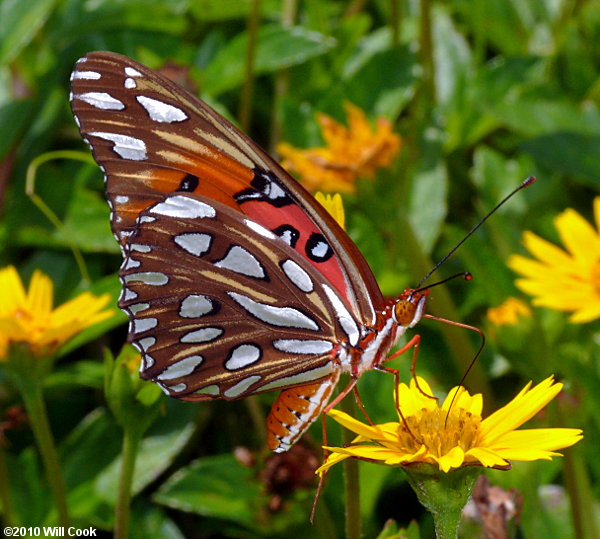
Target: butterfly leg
<point>414,344</point>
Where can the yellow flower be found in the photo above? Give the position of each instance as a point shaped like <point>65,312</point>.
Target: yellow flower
<point>452,437</point>
<point>508,313</point>
<point>350,153</point>
<point>28,317</point>
<point>333,204</point>
<point>564,280</point>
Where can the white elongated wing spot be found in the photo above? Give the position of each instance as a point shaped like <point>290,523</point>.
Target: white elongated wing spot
<point>260,229</point>
<point>300,378</point>
<point>144,324</point>
<point>88,75</point>
<point>303,346</point>
<point>130,148</point>
<point>153,278</point>
<point>297,276</point>
<point>202,335</point>
<point>196,306</point>
<point>212,390</point>
<point>275,316</point>
<point>195,243</point>
<point>345,319</point>
<point>146,343</point>
<point>177,388</point>
<point>243,356</point>
<point>101,100</point>
<point>183,207</point>
<point>138,307</point>
<point>130,83</point>
<point>127,295</point>
<point>160,111</point>
<point>183,367</point>
<point>243,262</point>
<point>130,263</point>
<point>241,386</point>
<point>140,248</point>
<point>132,72</point>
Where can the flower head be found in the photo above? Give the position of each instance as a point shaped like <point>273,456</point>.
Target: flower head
<point>333,204</point>
<point>352,152</point>
<point>564,280</point>
<point>508,313</point>
<point>455,436</point>
<point>28,317</point>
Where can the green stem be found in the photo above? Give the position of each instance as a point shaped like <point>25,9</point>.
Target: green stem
<point>443,494</point>
<point>426,54</point>
<point>7,516</point>
<point>282,78</point>
<point>577,480</point>
<point>351,478</point>
<point>131,443</point>
<point>248,89</point>
<point>38,417</point>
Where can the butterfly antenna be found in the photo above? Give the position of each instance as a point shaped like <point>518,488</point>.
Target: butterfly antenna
<point>526,183</point>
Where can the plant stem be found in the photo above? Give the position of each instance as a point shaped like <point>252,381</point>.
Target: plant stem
<point>7,516</point>
<point>351,479</point>
<point>248,89</point>
<point>38,417</point>
<point>131,442</point>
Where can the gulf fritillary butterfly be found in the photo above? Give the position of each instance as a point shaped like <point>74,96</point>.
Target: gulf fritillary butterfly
<point>235,280</point>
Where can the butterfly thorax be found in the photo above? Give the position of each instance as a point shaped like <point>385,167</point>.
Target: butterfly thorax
<point>391,324</point>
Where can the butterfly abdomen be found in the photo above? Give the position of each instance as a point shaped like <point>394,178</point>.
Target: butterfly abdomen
<point>295,410</point>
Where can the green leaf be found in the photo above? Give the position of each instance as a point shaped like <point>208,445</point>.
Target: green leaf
<point>384,83</point>
<point>218,487</point>
<point>216,10</point>
<point>19,23</point>
<point>14,117</point>
<point>277,48</point>
<point>571,154</point>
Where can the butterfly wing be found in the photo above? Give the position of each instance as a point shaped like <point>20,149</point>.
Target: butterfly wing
<point>152,137</point>
<point>220,307</point>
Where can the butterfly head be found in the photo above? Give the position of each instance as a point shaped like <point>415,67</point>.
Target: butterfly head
<point>409,308</point>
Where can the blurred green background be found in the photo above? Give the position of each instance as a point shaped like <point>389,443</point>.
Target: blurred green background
<point>483,93</point>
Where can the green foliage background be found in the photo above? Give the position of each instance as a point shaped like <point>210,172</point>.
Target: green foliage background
<point>484,94</point>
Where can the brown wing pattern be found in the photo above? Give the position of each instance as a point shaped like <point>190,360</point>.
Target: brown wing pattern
<point>152,137</point>
<point>222,308</point>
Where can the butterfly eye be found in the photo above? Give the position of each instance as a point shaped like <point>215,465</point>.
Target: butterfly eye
<point>409,309</point>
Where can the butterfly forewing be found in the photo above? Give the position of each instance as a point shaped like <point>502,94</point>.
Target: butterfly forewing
<point>222,308</point>
<point>152,137</point>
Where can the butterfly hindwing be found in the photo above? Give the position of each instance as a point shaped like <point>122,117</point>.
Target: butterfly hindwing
<point>151,137</point>
<point>222,308</point>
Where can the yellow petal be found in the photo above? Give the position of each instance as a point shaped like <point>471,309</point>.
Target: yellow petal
<point>578,236</point>
<point>453,459</point>
<point>371,432</point>
<point>522,408</point>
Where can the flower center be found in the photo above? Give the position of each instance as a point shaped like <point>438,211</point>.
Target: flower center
<point>440,432</point>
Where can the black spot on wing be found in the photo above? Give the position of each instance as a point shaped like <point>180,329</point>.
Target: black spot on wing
<point>188,184</point>
<point>265,188</point>
<point>317,248</point>
<point>287,233</point>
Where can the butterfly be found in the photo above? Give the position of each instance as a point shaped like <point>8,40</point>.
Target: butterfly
<point>235,279</point>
